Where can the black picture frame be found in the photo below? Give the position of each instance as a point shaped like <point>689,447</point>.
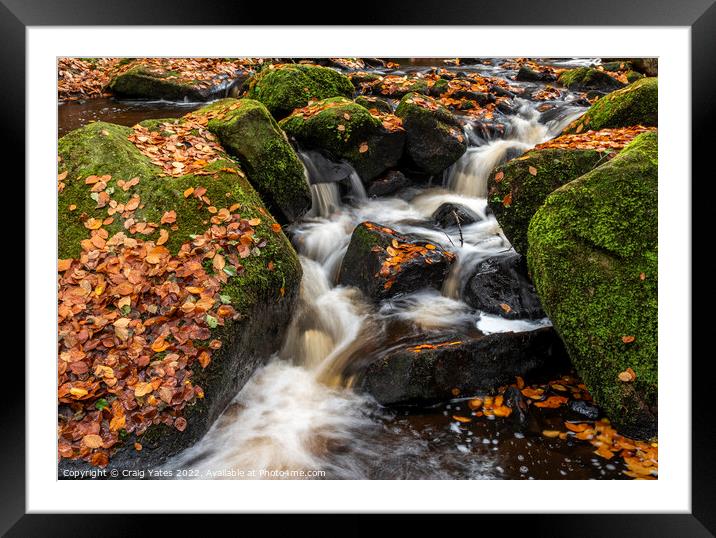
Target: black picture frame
<point>699,15</point>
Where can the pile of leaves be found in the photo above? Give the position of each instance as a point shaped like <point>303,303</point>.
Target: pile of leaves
<point>390,122</point>
<point>179,148</point>
<point>602,140</point>
<point>83,78</point>
<point>640,457</point>
<point>134,321</point>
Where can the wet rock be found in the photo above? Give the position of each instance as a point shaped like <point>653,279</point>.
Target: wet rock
<point>249,133</point>
<point>450,215</point>
<point>500,286</point>
<point>383,263</point>
<point>350,132</point>
<point>584,409</point>
<point>435,139</point>
<point>525,74</point>
<point>389,183</point>
<point>439,87</point>
<point>515,192</point>
<point>593,258</point>
<point>284,88</point>
<point>647,66</point>
<point>499,91</point>
<point>635,104</point>
<point>481,98</point>
<point>370,102</point>
<point>323,169</point>
<point>514,399</point>
<point>588,78</point>
<point>429,372</point>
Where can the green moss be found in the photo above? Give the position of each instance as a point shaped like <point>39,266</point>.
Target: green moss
<point>588,245</point>
<point>555,167</point>
<point>140,82</point>
<point>287,87</point>
<point>588,78</point>
<point>636,104</point>
<point>251,135</point>
<point>440,87</point>
<point>341,129</point>
<point>633,76</point>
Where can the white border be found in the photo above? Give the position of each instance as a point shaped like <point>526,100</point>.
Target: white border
<point>670,493</point>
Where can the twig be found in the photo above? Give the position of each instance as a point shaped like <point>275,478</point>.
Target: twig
<point>457,220</point>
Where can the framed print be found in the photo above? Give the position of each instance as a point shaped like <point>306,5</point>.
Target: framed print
<point>384,267</point>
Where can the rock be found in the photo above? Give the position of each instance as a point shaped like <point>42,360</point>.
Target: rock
<point>422,374</point>
<point>322,169</point>
<point>514,399</point>
<point>500,286</point>
<point>249,133</point>
<point>588,78</point>
<point>449,215</point>
<point>348,131</point>
<point>593,258</point>
<point>514,193</point>
<point>633,76</point>
<point>383,263</point>
<point>499,91</point>
<point>481,98</point>
<point>284,88</point>
<point>145,81</point>
<point>635,104</point>
<point>369,102</point>
<point>263,299</point>
<point>585,409</point>
<point>389,183</point>
<point>646,66</point>
<point>439,87</point>
<point>434,136</point>
<point>615,66</point>
<point>525,74</point>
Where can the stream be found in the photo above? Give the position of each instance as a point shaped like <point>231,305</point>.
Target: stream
<point>298,416</point>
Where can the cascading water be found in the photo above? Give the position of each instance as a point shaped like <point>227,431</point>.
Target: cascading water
<point>299,413</point>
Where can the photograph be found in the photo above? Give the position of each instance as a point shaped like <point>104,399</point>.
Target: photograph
<point>357,268</point>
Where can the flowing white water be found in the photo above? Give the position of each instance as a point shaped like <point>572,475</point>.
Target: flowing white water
<point>298,413</point>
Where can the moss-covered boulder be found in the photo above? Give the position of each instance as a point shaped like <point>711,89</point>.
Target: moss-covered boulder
<point>370,102</point>
<point>284,88</point>
<point>120,201</point>
<point>346,130</point>
<point>435,138</point>
<point>635,104</point>
<point>593,258</point>
<point>383,263</point>
<point>588,78</point>
<point>518,188</point>
<point>248,132</point>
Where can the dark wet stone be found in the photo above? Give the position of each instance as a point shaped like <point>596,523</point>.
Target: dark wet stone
<point>514,399</point>
<point>585,409</point>
<point>389,183</point>
<point>525,74</point>
<point>503,280</point>
<point>449,215</point>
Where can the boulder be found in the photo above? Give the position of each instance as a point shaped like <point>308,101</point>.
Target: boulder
<point>435,138</point>
<point>500,285</point>
<point>389,183</point>
<point>284,88</point>
<point>383,263</point>
<point>587,78</point>
<point>249,133</point>
<point>593,258</point>
<point>346,130</point>
<point>120,204</point>
<point>450,215</point>
<point>517,188</point>
<point>369,102</point>
<point>525,74</point>
<point>438,370</point>
<point>635,104</point>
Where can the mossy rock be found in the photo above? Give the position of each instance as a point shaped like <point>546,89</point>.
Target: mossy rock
<point>264,298</point>
<point>435,138</point>
<point>347,131</point>
<point>635,104</point>
<point>248,132</point>
<point>633,76</point>
<point>369,102</point>
<point>515,194</point>
<point>287,87</point>
<point>588,78</point>
<point>439,87</point>
<point>593,258</point>
<point>615,66</point>
<point>141,82</point>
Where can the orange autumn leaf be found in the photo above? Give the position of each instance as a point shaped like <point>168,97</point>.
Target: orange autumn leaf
<point>63,265</point>
<point>534,394</point>
<point>552,402</point>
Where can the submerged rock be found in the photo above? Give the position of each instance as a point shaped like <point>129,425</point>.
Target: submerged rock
<point>435,371</point>
<point>500,286</point>
<point>110,187</point>
<point>284,88</point>
<point>450,215</point>
<point>593,258</point>
<point>348,131</point>
<point>434,136</point>
<point>518,188</point>
<point>383,263</point>
<point>249,133</point>
<point>389,183</point>
<point>635,104</point>
<point>588,78</point>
